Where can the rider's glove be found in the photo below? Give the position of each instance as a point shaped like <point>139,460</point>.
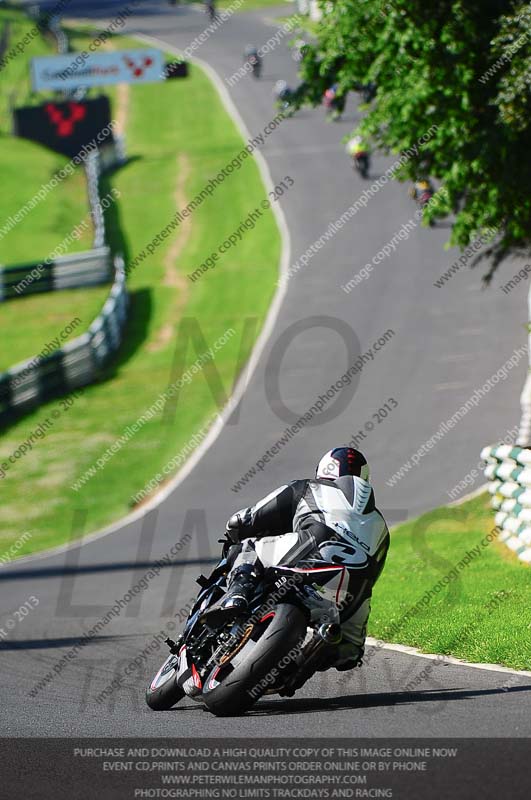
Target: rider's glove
<point>236,525</point>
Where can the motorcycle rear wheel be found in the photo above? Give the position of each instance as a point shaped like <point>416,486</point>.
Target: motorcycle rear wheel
<point>238,691</point>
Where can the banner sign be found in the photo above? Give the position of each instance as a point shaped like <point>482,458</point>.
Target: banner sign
<point>66,127</point>
<point>72,71</point>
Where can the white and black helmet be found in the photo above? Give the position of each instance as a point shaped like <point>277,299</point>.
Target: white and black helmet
<point>341,461</point>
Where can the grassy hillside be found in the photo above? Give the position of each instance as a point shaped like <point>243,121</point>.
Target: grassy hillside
<point>178,136</point>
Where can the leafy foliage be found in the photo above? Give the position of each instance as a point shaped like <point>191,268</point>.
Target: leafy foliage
<point>460,65</point>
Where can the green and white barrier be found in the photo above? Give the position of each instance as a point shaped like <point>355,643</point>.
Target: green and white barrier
<point>509,472</point>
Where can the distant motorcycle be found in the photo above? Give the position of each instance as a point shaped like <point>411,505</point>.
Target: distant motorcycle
<point>256,64</point>
<point>361,163</point>
<point>360,155</point>
<point>284,98</point>
<point>252,57</point>
<point>334,104</point>
<point>297,51</point>
<point>368,92</point>
<point>422,192</point>
<point>210,8</point>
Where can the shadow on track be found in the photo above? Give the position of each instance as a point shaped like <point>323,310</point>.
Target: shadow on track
<point>49,644</point>
<point>379,699</point>
<point>33,573</point>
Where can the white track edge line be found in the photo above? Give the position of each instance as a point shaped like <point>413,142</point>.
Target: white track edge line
<point>254,358</point>
<point>470,496</point>
<point>444,659</point>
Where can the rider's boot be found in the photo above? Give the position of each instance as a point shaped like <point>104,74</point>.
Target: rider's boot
<point>349,653</point>
<point>354,630</point>
<point>236,600</point>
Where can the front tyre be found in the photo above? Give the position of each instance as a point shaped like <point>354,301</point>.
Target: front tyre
<point>232,688</point>
<point>163,691</point>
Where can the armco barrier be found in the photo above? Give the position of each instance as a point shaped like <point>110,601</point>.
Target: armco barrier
<point>54,26</point>
<point>65,272</point>
<point>76,364</point>
<point>79,269</point>
<point>509,472</point>
<point>80,361</point>
<point>92,171</point>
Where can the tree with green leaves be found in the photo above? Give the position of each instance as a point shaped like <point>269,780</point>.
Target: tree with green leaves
<point>463,66</point>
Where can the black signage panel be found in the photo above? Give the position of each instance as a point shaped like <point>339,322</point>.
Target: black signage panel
<point>67,127</point>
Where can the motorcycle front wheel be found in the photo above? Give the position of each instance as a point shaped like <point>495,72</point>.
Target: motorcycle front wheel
<point>163,691</point>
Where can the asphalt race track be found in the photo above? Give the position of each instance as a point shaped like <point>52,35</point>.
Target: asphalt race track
<point>446,343</point>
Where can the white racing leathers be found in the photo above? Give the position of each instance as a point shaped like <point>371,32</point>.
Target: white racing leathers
<point>308,522</point>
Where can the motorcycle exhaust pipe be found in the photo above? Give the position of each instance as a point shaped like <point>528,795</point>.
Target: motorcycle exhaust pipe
<point>308,659</point>
<point>330,633</point>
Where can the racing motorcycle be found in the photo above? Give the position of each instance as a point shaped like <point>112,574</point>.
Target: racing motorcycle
<point>361,162</point>
<point>423,193</point>
<point>298,49</point>
<point>274,647</point>
<point>210,9</point>
<point>252,57</point>
<point>284,98</point>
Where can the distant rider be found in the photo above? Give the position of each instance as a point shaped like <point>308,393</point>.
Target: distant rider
<point>422,191</point>
<point>359,152</point>
<point>210,8</point>
<point>334,102</point>
<point>252,56</point>
<point>283,94</point>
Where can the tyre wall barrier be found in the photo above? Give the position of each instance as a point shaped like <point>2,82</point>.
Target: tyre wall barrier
<point>509,472</point>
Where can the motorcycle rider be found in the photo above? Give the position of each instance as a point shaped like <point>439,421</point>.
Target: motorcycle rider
<point>359,152</point>
<point>334,516</point>
<point>252,56</point>
<point>334,102</point>
<point>210,8</point>
<point>422,191</point>
<point>283,94</point>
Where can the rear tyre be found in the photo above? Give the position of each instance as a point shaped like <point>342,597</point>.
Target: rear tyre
<point>245,683</point>
<point>163,691</point>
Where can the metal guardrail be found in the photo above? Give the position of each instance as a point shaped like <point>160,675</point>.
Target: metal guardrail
<point>80,361</point>
<point>89,268</point>
<point>54,26</point>
<point>64,272</point>
<point>93,171</point>
<point>76,364</point>
<point>509,472</point>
